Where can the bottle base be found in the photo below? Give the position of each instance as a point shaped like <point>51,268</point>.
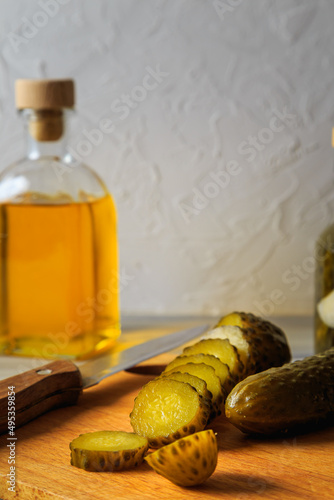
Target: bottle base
<point>81,347</point>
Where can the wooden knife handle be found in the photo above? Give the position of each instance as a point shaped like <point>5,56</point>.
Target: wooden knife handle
<point>32,393</point>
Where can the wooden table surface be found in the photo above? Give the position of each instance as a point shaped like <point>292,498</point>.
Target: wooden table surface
<point>300,467</point>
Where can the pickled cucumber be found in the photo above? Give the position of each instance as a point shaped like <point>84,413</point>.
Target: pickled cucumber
<point>236,337</point>
<point>223,350</point>
<point>221,369</point>
<point>166,410</point>
<point>187,462</point>
<point>296,396</point>
<point>108,451</point>
<point>207,373</point>
<point>195,382</point>
<point>267,343</point>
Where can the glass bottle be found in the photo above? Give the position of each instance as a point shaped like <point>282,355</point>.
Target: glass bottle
<point>324,288</point>
<point>58,267</point>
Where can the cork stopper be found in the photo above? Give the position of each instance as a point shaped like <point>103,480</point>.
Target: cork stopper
<point>46,98</point>
<point>44,94</point>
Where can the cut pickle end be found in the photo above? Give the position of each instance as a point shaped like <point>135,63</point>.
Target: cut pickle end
<point>166,410</point>
<point>222,349</point>
<point>268,345</point>
<point>236,337</point>
<point>326,309</point>
<point>208,374</point>
<point>110,451</point>
<point>189,461</point>
<point>221,369</point>
<point>232,319</point>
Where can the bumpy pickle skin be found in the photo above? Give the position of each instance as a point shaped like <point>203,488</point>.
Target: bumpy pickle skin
<point>296,397</point>
<point>166,410</point>
<point>187,462</point>
<point>268,344</point>
<point>108,451</point>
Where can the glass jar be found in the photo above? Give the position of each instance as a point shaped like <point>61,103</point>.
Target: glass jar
<point>324,291</point>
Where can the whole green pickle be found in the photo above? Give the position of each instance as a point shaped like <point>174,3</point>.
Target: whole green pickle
<point>297,396</point>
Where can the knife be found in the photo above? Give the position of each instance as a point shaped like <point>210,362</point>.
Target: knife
<point>60,383</point>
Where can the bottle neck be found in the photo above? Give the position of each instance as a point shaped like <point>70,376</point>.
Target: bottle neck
<point>46,133</point>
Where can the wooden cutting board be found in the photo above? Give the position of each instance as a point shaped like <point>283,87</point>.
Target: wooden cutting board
<point>300,467</point>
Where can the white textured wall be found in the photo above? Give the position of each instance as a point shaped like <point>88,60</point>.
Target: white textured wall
<point>221,167</point>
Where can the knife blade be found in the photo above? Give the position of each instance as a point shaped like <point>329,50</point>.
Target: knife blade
<point>61,382</point>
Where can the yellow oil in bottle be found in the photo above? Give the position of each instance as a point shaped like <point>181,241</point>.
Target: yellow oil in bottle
<point>59,283</point>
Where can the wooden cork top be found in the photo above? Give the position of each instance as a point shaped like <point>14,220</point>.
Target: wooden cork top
<point>46,98</point>
<point>44,94</point>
